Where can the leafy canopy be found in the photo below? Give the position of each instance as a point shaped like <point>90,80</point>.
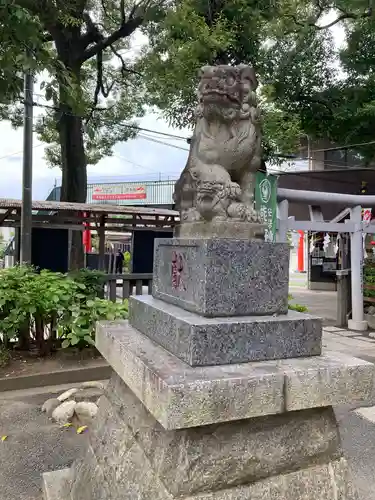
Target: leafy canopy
<point>88,64</point>
<point>307,84</point>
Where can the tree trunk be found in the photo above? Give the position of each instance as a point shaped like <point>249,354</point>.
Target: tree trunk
<point>74,172</point>
<point>73,158</point>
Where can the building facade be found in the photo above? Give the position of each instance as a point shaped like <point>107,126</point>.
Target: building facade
<point>157,194</point>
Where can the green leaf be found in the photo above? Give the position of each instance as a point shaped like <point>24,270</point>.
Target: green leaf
<point>74,340</point>
<point>89,340</point>
<point>65,344</point>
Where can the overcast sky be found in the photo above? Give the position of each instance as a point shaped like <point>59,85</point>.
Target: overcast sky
<point>138,159</point>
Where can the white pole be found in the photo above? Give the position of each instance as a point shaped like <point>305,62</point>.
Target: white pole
<point>357,322</point>
<point>282,230</point>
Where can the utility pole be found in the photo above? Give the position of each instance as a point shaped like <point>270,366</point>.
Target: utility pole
<point>27,171</point>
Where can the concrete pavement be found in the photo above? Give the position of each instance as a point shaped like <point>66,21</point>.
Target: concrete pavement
<point>349,342</point>
<point>318,303</point>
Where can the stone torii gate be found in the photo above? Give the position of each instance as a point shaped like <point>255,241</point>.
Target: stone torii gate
<point>355,226</point>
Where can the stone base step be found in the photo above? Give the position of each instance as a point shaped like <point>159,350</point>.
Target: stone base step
<point>181,396</point>
<point>57,484</point>
<point>293,456</point>
<point>201,341</point>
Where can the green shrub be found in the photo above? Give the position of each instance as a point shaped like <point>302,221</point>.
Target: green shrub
<point>48,308</point>
<point>15,303</point>
<point>93,281</point>
<point>79,330</point>
<point>296,307</point>
<point>127,259</point>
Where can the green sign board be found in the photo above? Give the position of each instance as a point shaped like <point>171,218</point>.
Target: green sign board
<point>266,203</point>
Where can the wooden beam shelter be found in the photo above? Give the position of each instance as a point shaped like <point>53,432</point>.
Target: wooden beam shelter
<point>83,216</point>
<point>102,218</point>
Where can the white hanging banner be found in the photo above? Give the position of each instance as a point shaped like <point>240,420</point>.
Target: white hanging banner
<point>312,244</point>
<point>337,243</point>
<point>295,239</point>
<point>326,241</point>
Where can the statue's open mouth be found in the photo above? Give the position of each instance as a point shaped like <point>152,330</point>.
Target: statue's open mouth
<point>220,96</point>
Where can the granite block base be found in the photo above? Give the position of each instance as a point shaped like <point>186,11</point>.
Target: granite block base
<point>57,484</point>
<point>222,277</point>
<point>180,396</point>
<point>202,341</point>
<point>294,456</point>
<point>224,229</point>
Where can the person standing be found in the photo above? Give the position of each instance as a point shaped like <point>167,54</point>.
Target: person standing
<point>119,261</point>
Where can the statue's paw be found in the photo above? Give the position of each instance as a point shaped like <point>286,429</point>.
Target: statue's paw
<point>191,215</point>
<point>253,215</point>
<point>240,211</point>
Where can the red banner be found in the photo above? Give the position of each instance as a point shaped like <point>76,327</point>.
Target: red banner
<point>119,196</point>
<point>119,192</point>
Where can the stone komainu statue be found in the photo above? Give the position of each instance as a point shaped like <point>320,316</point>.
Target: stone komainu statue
<point>218,181</point>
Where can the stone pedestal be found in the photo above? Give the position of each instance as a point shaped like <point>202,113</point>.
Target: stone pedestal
<point>208,403</point>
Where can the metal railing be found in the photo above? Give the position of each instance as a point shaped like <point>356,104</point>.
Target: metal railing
<point>121,286</point>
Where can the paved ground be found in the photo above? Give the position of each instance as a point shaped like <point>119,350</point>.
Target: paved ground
<point>349,342</point>
<point>321,304</point>
<point>298,280</point>
<point>34,444</point>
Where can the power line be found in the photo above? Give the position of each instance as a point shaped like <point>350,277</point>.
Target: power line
<point>131,162</point>
<point>126,125</point>
<point>336,148</point>
<point>147,138</point>
<point>20,152</point>
<point>157,132</point>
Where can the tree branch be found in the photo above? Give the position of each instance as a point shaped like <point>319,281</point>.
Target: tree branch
<point>314,100</point>
<point>342,17</point>
<point>135,19</point>
<point>124,69</point>
<point>122,9</point>
<point>129,27</point>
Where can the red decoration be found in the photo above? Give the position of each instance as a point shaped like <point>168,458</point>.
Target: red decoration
<point>86,237</point>
<point>177,270</point>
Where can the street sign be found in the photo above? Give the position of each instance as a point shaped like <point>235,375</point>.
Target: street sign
<point>266,203</point>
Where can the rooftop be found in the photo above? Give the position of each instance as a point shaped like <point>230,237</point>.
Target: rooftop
<point>56,206</point>
<point>59,214</point>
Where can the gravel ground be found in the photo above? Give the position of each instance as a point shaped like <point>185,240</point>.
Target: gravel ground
<point>34,445</point>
